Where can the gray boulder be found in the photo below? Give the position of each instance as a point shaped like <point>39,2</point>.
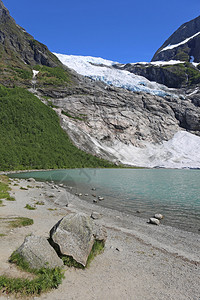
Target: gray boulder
<point>75,235</point>
<point>38,253</point>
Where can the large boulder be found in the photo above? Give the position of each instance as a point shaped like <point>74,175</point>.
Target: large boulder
<point>38,253</point>
<point>74,236</point>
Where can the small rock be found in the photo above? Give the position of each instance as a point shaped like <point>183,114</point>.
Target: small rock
<point>154,221</point>
<point>93,189</point>
<point>138,211</point>
<point>100,198</point>
<point>80,195</point>
<point>94,200</point>
<point>95,215</point>
<point>86,194</point>
<point>93,195</point>
<point>31,180</point>
<point>159,216</point>
<point>61,184</point>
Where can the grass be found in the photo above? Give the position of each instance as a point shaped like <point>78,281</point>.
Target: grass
<point>1,203</point>
<point>28,206</point>
<point>97,248</point>
<point>23,188</point>
<point>10,198</point>
<point>2,234</point>
<point>45,279</point>
<point>39,203</point>
<point>21,222</point>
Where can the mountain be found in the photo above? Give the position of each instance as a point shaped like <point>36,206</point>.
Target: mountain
<point>106,111</point>
<point>183,44</point>
<point>176,63</point>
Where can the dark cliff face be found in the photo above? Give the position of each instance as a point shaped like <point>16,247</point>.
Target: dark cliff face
<point>186,51</point>
<point>19,46</point>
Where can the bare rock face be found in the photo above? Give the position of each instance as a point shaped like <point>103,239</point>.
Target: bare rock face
<point>38,253</point>
<point>75,235</point>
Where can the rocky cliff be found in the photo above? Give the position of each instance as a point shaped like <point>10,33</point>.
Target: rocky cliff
<point>183,44</point>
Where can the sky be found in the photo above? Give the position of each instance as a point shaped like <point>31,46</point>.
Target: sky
<point>122,30</point>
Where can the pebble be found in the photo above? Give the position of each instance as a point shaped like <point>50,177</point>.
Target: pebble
<point>80,195</point>
<point>94,200</point>
<point>100,198</point>
<point>86,194</point>
<point>93,189</point>
<point>95,215</point>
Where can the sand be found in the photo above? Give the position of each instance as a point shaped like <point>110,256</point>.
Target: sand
<point>140,261</point>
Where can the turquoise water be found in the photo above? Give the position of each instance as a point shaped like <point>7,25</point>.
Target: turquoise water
<point>142,192</point>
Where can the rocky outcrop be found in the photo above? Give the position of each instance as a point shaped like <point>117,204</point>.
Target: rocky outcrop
<point>187,51</point>
<point>172,75</point>
<point>38,253</point>
<point>75,235</point>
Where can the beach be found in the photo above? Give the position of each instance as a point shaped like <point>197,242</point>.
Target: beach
<point>140,261</point>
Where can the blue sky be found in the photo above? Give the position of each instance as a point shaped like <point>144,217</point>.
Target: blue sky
<point>123,31</point>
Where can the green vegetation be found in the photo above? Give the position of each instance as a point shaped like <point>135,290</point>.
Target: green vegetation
<point>21,222</point>
<point>186,73</point>
<point>1,203</point>
<point>45,279</point>
<point>30,207</point>
<point>52,76</point>
<point>4,188</point>
<point>31,136</point>
<point>2,234</point>
<point>23,188</point>
<point>39,203</point>
<point>97,248</point>
<point>10,198</point>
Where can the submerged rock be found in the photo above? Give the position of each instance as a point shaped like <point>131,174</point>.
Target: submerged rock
<point>38,253</point>
<point>75,235</point>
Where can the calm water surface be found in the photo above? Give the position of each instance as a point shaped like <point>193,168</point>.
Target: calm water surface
<point>174,193</point>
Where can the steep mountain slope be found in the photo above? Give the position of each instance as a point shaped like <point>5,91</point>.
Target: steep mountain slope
<point>183,44</point>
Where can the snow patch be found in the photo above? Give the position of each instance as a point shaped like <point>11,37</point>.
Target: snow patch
<point>182,151</point>
<point>35,73</point>
<point>181,43</point>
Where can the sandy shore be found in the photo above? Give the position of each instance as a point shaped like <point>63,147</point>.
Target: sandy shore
<point>140,261</point>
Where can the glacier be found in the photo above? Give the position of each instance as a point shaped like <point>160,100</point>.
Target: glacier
<point>182,151</point>
<point>101,69</point>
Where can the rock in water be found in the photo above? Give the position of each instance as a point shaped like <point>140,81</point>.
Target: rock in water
<point>75,235</point>
<point>38,253</point>
<point>154,221</point>
<point>159,216</point>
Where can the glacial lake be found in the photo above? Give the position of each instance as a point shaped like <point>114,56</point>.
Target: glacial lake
<point>141,192</point>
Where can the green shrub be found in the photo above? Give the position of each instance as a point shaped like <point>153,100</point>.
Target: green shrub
<point>21,222</point>
<point>30,207</point>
